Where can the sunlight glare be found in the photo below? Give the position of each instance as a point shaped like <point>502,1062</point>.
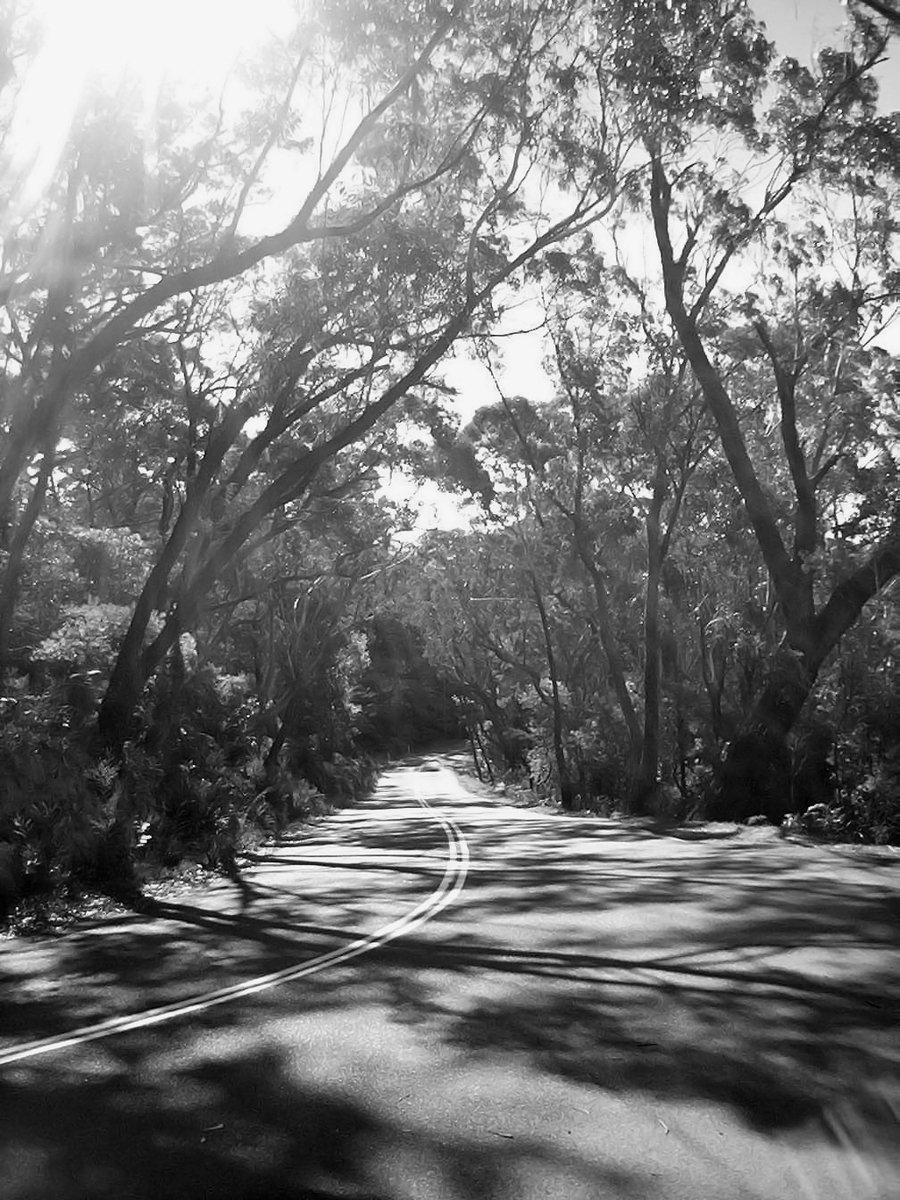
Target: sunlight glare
<point>196,39</point>
<point>192,42</point>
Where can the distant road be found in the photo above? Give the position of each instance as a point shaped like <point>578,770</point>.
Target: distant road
<point>437,996</point>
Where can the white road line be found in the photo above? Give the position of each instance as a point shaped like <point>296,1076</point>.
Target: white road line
<point>451,884</point>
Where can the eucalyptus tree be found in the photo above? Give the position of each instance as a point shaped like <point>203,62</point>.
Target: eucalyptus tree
<point>635,433</point>
<point>770,191</point>
<point>603,470</point>
<point>399,143</point>
<point>824,292</point>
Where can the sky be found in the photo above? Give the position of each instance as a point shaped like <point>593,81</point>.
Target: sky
<point>801,28</point>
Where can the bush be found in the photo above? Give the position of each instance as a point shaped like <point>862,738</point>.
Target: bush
<point>196,781</point>
<point>872,811</point>
<point>55,808</point>
<point>823,821</point>
<point>88,636</point>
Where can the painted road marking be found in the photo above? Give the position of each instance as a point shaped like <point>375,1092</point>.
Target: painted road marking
<point>451,884</point>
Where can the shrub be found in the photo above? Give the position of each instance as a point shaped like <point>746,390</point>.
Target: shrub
<point>54,806</point>
<point>197,779</point>
<point>88,636</point>
<point>872,811</point>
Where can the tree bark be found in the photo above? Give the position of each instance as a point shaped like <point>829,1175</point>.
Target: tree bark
<point>646,779</point>
<point>793,586</point>
<point>128,677</point>
<point>566,787</point>
<point>614,659</point>
<point>9,585</point>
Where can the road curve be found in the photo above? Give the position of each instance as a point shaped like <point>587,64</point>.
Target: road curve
<point>451,883</point>
<point>601,1011</point>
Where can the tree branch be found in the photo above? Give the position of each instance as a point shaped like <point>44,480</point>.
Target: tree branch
<point>761,517</point>
<point>805,517</point>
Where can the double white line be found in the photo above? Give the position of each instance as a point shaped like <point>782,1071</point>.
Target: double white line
<point>451,884</point>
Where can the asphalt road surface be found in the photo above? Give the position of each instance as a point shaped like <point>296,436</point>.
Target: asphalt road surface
<point>436,996</point>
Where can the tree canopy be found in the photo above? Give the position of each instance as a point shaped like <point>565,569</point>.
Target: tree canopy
<point>227,308</point>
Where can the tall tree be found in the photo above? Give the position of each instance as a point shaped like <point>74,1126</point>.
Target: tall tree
<point>812,318</point>
<point>607,456</point>
<point>426,176</point>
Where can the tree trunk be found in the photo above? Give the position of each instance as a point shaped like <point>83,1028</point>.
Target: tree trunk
<point>274,752</point>
<point>756,776</point>
<point>134,667</point>
<point>473,747</point>
<point>567,791</point>
<point>646,776</point>
<point>129,672</point>
<point>479,742</point>
<point>614,658</point>
<point>9,585</point>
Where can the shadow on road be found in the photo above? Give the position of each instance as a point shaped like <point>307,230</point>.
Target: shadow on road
<point>758,978</point>
<point>241,1127</point>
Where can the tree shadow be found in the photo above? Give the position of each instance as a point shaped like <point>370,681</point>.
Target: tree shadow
<point>241,1126</point>
<point>750,977</point>
<point>775,1052</point>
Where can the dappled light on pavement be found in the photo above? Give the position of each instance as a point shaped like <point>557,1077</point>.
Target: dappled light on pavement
<point>603,1011</point>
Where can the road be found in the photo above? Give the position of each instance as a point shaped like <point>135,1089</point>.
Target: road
<point>437,996</point>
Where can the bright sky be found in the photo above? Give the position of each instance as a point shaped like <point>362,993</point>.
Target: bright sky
<point>197,39</point>
<point>194,41</point>
<point>801,27</point>
<point>200,39</point>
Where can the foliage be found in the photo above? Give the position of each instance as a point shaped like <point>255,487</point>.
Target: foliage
<point>59,805</point>
<point>674,594</point>
<point>88,636</point>
<point>193,783</point>
<point>405,702</point>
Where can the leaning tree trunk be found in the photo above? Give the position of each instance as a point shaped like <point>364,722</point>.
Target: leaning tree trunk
<point>645,783</point>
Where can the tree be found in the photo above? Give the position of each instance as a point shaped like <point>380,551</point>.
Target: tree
<point>429,175</point>
<point>815,127</point>
<point>607,456</point>
<point>719,178</point>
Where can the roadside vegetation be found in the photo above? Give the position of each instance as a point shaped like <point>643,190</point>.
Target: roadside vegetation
<point>674,590</point>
